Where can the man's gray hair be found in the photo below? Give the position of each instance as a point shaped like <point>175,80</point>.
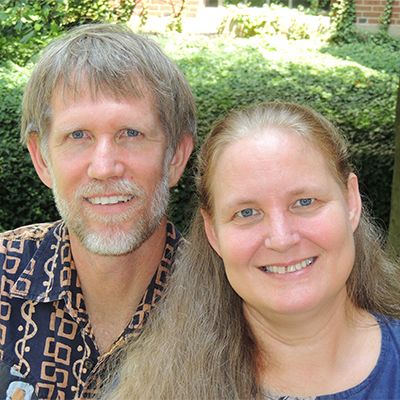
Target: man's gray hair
<point>108,59</point>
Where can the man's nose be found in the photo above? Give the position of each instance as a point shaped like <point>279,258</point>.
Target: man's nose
<point>105,160</point>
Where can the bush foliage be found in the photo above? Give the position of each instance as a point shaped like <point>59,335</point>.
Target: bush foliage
<point>349,87</point>
<point>358,98</point>
<point>245,22</point>
<point>343,15</point>
<point>27,25</point>
<point>24,199</point>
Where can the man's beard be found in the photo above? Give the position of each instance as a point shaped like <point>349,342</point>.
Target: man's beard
<point>145,216</point>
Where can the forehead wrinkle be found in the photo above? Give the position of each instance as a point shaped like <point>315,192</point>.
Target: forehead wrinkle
<point>75,81</point>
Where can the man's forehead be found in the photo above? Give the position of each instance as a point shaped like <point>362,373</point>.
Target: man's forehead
<point>72,92</point>
<point>71,107</point>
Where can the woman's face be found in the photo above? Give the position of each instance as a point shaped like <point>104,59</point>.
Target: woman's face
<point>282,224</point>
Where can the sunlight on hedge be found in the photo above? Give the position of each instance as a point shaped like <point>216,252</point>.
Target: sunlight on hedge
<point>226,73</point>
<point>347,84</point>
<point>274,20</point>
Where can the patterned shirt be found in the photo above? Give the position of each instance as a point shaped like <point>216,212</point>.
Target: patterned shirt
<point>47,347</point>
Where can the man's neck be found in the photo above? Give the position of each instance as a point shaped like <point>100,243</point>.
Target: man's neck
<point>114,285</point>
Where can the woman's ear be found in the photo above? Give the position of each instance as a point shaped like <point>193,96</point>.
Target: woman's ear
<point>210,231</point>
<point>180,158</point>
<point>39,162</point>
<point>354,202</point>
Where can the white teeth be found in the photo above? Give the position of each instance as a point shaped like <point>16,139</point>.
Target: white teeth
<point>109,199</point>
<point>290,268</point>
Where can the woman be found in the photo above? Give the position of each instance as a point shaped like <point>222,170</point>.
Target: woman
<point>283,290</point>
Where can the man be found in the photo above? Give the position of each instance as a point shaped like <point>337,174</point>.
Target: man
<point>109,122</point>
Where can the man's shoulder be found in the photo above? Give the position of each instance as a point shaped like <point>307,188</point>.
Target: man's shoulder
<point>35,232</point>
<point>17,246</point>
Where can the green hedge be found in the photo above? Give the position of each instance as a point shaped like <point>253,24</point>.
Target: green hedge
<point>359,99</point>
<point>26,25</point>
<point>226,73</point>
<point>24,199</point>
<point>274,20</point>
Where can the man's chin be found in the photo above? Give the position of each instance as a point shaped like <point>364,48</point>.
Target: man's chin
<point>115,244</point>
<point>113,240</point>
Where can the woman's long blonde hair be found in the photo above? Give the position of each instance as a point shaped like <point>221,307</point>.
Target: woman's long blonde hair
<point>196,345</point>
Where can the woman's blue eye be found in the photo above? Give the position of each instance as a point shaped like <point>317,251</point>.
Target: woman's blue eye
<point>305,202</point>
<point>132,132</point>
<point>78,134</point>
<point>246,213</point>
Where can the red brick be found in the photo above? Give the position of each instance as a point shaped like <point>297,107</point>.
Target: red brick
<point>372,14</point>
<point>373,3</point>
<point>363,8</point>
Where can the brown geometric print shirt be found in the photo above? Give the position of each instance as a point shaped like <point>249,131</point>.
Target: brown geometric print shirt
<point>47,347</point>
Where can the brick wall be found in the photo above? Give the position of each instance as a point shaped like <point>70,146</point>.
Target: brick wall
<point>368,12</point>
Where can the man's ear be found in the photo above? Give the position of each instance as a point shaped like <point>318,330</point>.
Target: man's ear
<point>39,162</point>
<point>180,158</point>
<point>354,202</point>
<point>210,231</point>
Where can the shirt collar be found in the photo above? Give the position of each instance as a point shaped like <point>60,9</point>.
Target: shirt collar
<point>50,274</point>
<point>47,275</point>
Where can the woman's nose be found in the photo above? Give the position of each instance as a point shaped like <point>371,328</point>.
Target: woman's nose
<point>281,233</point>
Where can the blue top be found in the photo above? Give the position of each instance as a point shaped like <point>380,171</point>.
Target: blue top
<point>383,383</point>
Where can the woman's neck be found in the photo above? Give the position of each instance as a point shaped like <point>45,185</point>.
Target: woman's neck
<point>315,354</point>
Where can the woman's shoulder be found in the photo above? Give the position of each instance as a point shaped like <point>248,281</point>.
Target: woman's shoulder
<point>390,328</point>
<point>383,383</point>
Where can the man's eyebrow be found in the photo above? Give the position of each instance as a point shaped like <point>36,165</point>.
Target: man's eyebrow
<point>67,128</point>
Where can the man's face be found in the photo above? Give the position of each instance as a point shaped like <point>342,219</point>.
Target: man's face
<point>107,169</point>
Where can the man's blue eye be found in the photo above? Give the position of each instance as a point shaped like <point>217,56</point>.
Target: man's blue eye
<point>132,132</point>
<point>247,212</point>
<point>305,202</point>
<point>78,134</point>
